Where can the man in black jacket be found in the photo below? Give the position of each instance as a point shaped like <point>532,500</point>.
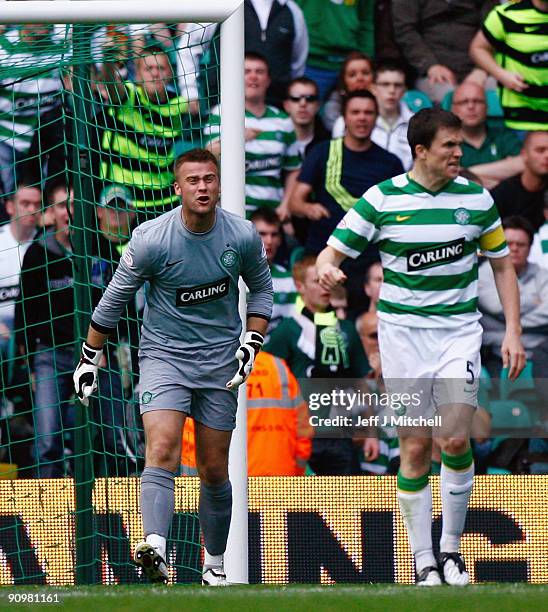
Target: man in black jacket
<point>275,29</point>
<point>45,324</point>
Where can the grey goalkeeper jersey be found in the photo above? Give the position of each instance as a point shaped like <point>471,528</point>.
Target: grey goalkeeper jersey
<point>191,281</point>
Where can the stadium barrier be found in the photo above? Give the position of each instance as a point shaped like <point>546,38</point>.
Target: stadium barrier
<point>311,530</point>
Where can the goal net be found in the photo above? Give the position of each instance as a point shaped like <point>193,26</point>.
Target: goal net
<point>92,117</point>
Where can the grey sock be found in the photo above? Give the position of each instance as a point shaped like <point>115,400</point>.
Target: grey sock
<point>215,511</point>
<point>157,500</point>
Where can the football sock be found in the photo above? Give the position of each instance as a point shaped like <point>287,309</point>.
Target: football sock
<point>213,560</point>
<point>415,500</point>
<point>158,542</point>
<point>215,512</point>
<point>157,501</point>
<point>456,481</point>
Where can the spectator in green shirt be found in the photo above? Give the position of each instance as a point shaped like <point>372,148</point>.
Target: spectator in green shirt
<point>334,29</point>
<point>493,154</point>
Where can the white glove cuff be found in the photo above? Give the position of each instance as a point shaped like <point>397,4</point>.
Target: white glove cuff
<point>91,354</point>
<point>254,337</point>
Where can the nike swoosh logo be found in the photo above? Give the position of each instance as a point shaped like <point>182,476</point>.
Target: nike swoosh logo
<point>172,263</point>
<point>402,218</point>
<point>455,493</point>
<point>532,28</point>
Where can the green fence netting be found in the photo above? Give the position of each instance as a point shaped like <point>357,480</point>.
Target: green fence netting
<point>91,120</point>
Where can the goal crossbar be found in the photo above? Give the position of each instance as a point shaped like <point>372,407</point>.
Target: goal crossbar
<point>116,11</point>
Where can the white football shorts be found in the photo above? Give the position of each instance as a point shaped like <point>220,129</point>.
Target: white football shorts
<point>442,366</point>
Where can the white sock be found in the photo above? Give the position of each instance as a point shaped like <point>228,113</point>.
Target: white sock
<point>416,509</point>
<point>158,542</point>
<point>213,560</point>
<point>456,488</point>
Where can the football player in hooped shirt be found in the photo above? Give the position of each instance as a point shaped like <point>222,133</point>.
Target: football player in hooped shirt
<point>429,225</point>
<point>190,357</point>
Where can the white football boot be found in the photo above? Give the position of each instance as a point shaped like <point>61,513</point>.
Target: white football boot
<point>214,576</point>
<point>428,576</point>
<point>453,569</point>
<point>153,564</point>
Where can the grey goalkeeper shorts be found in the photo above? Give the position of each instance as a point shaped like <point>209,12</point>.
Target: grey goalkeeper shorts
<point>192,382</point>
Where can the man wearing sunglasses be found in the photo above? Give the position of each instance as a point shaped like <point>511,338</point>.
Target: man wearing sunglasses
<point>302,104</point>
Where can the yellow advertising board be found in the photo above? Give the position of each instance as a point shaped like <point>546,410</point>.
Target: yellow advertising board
<point>304,529</point>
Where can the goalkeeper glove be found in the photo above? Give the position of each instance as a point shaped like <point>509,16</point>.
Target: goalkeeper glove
<point>246,354</point>
<point>85,375</point>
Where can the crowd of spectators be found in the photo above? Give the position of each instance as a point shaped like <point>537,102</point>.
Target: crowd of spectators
<point>329,91</point>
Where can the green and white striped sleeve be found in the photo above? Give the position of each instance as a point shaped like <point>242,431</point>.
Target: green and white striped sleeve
<point>359,226</point>
<point>212,131</point>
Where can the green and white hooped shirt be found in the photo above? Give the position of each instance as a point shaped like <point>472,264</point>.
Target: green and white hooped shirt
<point>30,84</point>
<point>274,150</point>
<point>428,244</point>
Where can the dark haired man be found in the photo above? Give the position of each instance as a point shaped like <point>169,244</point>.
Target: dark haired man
<point>338,171</point>
<point>390,131</point>
<point>429,224</point>
<point>393,120</point>
<point>191,360</point>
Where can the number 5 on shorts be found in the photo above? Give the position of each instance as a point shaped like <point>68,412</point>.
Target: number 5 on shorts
<point>470,372</point>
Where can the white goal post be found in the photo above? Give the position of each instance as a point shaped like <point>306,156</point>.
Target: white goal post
<point>230,14</point>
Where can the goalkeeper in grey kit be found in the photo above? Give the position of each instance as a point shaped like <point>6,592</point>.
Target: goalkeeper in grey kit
<point>190,357</point>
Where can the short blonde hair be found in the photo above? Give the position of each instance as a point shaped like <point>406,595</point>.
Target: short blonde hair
<point>301,266</point>
<point>195,155</point>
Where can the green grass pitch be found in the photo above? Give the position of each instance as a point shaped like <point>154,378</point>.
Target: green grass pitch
<point>301,598</point>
